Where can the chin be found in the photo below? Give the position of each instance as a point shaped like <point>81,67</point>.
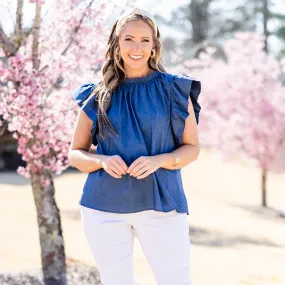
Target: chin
<point>136,65</point>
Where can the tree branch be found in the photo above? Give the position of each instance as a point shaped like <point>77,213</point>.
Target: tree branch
<point>19,22</point>
<point>76,29</point>
<point>7,45</point>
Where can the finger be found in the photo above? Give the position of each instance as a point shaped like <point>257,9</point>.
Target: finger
<point>141,171</point>
<point>118,166</point>
<point>111,168</point>
<point>130,168</point>
<point>115,170</point>
<point>123,164</point>
<point>113,174</point>
<point>144,174</point>
<point>134,164</point>
<point>137,168</point>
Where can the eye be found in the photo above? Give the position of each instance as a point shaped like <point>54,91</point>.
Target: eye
<point>143,40</point>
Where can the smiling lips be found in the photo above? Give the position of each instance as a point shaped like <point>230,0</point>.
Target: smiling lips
<point>135,57</point>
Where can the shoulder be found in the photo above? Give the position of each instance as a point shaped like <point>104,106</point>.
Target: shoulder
<point>82,92</point>
<point>182,85</point>
<point>181,81</point>
<point>184,81</point>
<point>87,103</point>
<point>182,88</point>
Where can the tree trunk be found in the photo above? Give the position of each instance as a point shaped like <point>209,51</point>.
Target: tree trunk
<point>50,232</point>
<point>199,18</point>
<point>263,186</point>
<point>265,14</point>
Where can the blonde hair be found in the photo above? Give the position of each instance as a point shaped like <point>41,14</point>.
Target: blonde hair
<point>113,71</point>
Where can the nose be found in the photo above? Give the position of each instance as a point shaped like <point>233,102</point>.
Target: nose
<point>137,46</point>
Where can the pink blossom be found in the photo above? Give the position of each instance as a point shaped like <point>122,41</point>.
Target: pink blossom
<point>41,116</point>
<point>244,101</point>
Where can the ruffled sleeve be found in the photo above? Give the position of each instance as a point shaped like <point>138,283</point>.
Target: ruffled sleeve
<point>182,87</point>
<point>88,105</point>
<point>81,94</point>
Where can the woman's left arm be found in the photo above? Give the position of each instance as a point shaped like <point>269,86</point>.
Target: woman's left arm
<point>188,152</point>
<point>190,149</point>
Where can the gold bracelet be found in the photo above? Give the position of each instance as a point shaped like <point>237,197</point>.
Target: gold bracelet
<point>176,158</point>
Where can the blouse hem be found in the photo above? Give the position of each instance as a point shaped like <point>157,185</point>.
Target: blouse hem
<point>143,209</point>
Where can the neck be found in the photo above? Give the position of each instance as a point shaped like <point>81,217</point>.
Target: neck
<point>137,73</point>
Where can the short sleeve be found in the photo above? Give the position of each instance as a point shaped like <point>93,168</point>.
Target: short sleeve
<point>182,87</point>
<point>81,95</point>
<point>88,105</point>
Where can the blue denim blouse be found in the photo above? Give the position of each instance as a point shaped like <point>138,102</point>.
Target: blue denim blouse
<point>149,115</point>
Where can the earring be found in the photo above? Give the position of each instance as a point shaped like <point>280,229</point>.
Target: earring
<point>152,55</point>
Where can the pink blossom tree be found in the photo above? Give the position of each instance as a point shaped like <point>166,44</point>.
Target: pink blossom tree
<point>39,70</point>
<point>244,103</point>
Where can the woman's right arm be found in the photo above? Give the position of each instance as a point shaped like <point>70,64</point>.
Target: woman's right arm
<point>78,154</point>
<point>85,161</point>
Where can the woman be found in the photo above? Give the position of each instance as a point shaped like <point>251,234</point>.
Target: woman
<point>145,130</point>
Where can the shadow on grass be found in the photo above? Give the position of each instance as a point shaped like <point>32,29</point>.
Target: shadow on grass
<point>213,238</point>
<point>267,213</point>
<point>11,177</point>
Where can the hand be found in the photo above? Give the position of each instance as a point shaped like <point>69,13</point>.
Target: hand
<point>143,166</point>
<point>114,165</point>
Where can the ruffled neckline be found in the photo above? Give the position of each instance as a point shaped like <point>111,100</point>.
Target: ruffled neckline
<point>142,79</point>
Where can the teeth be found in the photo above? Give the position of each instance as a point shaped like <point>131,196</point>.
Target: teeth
<point>136,56</point>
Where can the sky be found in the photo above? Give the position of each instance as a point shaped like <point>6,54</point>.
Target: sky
<point>162,7</point>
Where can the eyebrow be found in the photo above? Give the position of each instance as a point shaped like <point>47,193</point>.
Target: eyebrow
<point>133,36</point>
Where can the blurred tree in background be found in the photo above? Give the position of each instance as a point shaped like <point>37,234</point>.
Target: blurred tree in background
<point>245,103</point>
<point>203,23</point>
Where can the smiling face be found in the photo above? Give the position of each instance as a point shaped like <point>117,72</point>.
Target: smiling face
<point>136,39</point>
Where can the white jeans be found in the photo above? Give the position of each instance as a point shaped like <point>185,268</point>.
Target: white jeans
<point>164,238</point>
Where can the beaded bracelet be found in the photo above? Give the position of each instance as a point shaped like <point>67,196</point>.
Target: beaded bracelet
<point>176,158</point>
